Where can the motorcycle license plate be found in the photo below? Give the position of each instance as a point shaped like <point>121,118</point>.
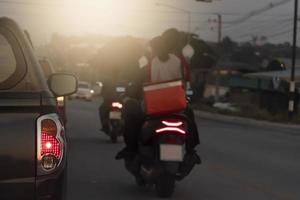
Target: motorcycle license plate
<point>170,152</point>
<point>115,115</point>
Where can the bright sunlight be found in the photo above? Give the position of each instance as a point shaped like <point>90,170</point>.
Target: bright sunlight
<point>101,13</point>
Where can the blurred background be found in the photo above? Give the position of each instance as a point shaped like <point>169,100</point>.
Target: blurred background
<point>242,49</point>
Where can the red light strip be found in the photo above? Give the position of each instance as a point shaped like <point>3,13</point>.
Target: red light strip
<point>50,144</point>
<point>117,105</point>
<point>168,129</point>
<point>172,123</point>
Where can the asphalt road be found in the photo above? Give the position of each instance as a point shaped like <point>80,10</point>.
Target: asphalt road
<point>239,162</point>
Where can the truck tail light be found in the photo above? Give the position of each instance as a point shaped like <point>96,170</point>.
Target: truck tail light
<point>50,143</point>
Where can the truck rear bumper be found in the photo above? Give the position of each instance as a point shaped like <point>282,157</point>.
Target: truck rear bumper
<point>52,186</point>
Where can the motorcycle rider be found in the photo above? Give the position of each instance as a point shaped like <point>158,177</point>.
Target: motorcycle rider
<point>172,38</point>
<point>163,67</point>
<point>108,94</point>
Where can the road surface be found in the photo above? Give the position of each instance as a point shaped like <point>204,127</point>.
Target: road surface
<point>239,162</point>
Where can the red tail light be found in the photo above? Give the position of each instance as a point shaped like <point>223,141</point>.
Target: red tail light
<point>174,123</point>
<point>170,129</point>
<point>117,105</point>
<point>50,143</point>
<point>171,126</point>
<point>49,127</point>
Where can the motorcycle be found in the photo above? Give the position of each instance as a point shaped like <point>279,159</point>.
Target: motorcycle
<point>116,123</point>
<point>162,159</point>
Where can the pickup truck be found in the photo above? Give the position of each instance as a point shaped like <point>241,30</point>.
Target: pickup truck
<point>33,148</point>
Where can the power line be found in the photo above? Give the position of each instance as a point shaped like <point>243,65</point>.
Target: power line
<point>259,11</point>
<point>265,27</point>
<point>34,3</point>
<point>208,13</point>
<point>280,33</point>
<point>31,3</point>
<point>283,26</point>
<point>261,22</point>
<point>238,21</point>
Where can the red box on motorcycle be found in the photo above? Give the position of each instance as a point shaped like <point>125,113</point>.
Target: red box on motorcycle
<point>164,97</point>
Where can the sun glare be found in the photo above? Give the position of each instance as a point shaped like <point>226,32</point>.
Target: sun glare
<point>106,14</point>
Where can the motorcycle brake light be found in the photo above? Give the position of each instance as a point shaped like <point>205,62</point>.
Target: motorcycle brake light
<point>170,129</point>
<point>117,105</point>
<point>173,124</point>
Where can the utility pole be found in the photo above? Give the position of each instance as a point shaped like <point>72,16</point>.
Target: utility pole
<point>219,42</point>
<point>217,95</point>
<point>219,49</point>
<point>292,81</point>
<point>219,28</point>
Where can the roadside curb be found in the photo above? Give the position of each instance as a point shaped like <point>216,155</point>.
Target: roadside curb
<point>245,121</point>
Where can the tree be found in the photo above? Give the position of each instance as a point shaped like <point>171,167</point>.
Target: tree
<point>276,65</point>
<point>176,41</point>
<point>118,57</point>
<point>247,53</point>
<point>228,46</point>
<point>58,48</point>
<point>204,57</point>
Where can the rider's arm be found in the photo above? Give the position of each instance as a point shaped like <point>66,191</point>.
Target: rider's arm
<point>148,73</point>
<point>186,72</point>
<point>187,69</point>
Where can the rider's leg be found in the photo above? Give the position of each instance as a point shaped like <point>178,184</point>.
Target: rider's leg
<point>193,138</point>
<point>104,115</point>
<point>133,117</point>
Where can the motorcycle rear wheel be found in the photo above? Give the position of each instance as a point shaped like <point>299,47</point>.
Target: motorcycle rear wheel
<point>113,137</point>
<point>165,186</point>
<point>112,134</point>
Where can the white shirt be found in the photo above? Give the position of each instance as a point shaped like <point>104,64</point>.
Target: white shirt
<point>166,71</point>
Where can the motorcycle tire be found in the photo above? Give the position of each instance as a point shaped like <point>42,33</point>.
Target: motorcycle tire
<point>165,186</point>
<point>140,181</point>
<point>112,134</point>
<point>113,137</point>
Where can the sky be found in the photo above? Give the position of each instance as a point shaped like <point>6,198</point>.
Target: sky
<point>149,18</point>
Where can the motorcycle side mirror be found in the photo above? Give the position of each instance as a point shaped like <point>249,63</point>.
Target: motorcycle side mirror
<point>188,51</point>
<point>143,62</point>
